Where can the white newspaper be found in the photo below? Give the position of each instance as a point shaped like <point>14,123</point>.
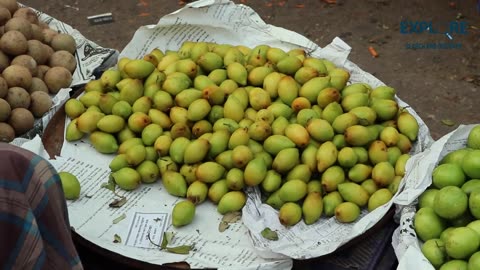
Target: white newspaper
<point>148,209</point>
<point>89,57</point>
<point>404,240</point>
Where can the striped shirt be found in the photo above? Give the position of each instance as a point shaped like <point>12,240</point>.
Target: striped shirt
<point>34,227</point>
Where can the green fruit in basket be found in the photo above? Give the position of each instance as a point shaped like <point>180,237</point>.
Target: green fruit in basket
<point>187,96</point>
<point>455,156</point>
<point>289,65</point>
<point>370,186</point>
<point>241,156</point>
<point>393,154</point>
<point>383,92</point>
<point>218,142</point>
<point>259,98</point>
<point>104,143</point>
<point>470,186</point>
<point>353,192</point>
<point>462,242</point>
<point>475,225</point>
<point>312,207</point>
<point>428,225</point>
<point>138,121</point>
<point>72,133</point>
<point>90,98</point>
<point>197,192</point>
<point>130,90</point>
<point>238,137</point>
<point>149,171</point>
<point>143,104</point>
<point>74,108</point>
<point>320,130</point>
<point>186,66</point>
<point>167,61</point>
<point>408,125</point>
<point>344,121</point>
<point>287,90</point>
<point>235,179</point>
<point>448,175</point>
<point>326,156</point>
<point>198,110</point>
<point>232,201</point>
<point>110,78</point>
<point>361,153</point>
<point>122,109</point>
<point>160,118</point>
<point>257,75</point>
<point>286,159</point>
<point>354,100</point>
<point>377,152</point>
<point>233,55</point>
<point>383,173</point>
<point>210,61</point>
<point>177,149</point>
<point>94,85</point>
<point>366,115</point>
<point>434,251</point>
<point>404,144</point>
<point>106,103</point>
<point>355,88</point>
<point>218,76</point>
<point>151,153</point>
<point>183,213</point>
<point>162,101</point>
<point>293,190</point>
<point>225,159</point>
<point>196,151</point>
<point>473,139</point>
<point>70,185</point>
<point>450,202</point>
<point>258,55</point>
<point>209,172</point>
<point>217,190</point>
<point>462,221</point>
<point>474,261</point>
<point>228,86</point>
<point>136,154</point>
<point>332,177</point>
<point>138,68</point>
<point>214,94</point>
<point>274,55</point>
<point>455,265</point>
<point>255,171</point>
<point>124,146</point>
<point>155,78</point>
<point>118,162</point>
<point>471,164</point>
<point>312,88</point>
<point>127,178</point>
<point>315,63</point>
<point>87,122</point>
<point>390,136</point>
<point>176,82</point>
<point>427,198</point>
<point>386,109</point>
<point>300,171</point>
<point>297,134</point>
<point>174,183</point>
<point>330,202</point>
<point>347,212</point>
<point>111,123</point>
<point>379,198</point>
<point>357,135</point>
<point>259,130</point>
<point>474,203</point>
<point>237,72</point>
<point>290,214</point>
<point>314,186</point>
<point>272,181</point>
<point>338,77</point>
<point>401,164</point>
<point>150,133</point>
<point>305,74</point>
<point>446,233</point>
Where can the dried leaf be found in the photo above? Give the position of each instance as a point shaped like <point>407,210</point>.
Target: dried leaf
<point>269,234</point>
<point>223,226</point>
<point>448,122</point>
<point>119,202</point>
<point>110,185</point>
<point>120,218</point>
<point>167,238</point>
<point>117,239</point>
<point>180,249</point>
<point>232,217</point>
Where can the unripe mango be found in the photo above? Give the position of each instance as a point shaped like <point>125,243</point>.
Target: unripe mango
<point>289,65</point>
<point>209,172</point>
<point>72,133</point>
<point>326,155</point>
<point>138,69</point>
<point>354,101</point>
<point>235,179</point>
<point>272,181</point>
<point>127,178</point>
<point>217,190</point>
<point>311,89</point>
<point>233,109</point>
<point>287,89</point>
<point>297,134</point>
<point>197,192</point>
<point>183,213</point>
<point>196,151</point>
<point>198,110</point>
<point>104,143</point>
<point>386,109</point>
<point>259,130</point>
<point>290,214</point>
<point>87,122</point>
<point>320,130</point>
<point>255,172</point>
<point>174,183</point>
<point>344,121</point>
<point>330,202</point>
<point>359,172</point>
<point>383,92</point>
<point>377,152</point>
<point>218,142</point>
<point>347,212</point>
<point>331,178</point>
<point>315,63</point>
<point>238,137</point>
<point>149,171</point>
<point>122,109</point>
<point>331,111</point>
<point>379,198</point>
<point>366,115</point>
<point>232,201</point>
<point>131,91</point>
<point>353,192</point>
<point>237,73</point>
<point>408,125</point>
<point>89,99</point>
<point>383,173</point>
<point>286,159</point>
<point>177,149</point>
<point>138,121</point>
<point>293,190</point>
<point>74,108</point>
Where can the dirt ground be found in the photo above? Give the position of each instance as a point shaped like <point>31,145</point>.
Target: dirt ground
<point>441,84</point>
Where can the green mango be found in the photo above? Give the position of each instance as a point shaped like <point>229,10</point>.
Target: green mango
<point>127,178</point>
<point>174,183</point>
<point>183,213</point>
<point>104,143</point>
<point>232,201</point>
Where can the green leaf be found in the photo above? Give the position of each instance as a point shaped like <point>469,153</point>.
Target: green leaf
<point>269,234</point>
<point>110,185</point>
<point>117,239</point>
<point>180,249</point>
<point>120,218</point>
<point>167,238</point>
<point>448,122</point>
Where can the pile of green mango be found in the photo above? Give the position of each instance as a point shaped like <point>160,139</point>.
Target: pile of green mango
<point>212,119</point>
<point>448,218</point>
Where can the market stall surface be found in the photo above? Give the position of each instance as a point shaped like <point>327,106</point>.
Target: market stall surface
<point>427,50</point>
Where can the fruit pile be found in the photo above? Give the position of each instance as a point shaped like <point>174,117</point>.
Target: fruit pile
<point>448,219</point>
<point>35,61</point>
<point>212,119</point>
